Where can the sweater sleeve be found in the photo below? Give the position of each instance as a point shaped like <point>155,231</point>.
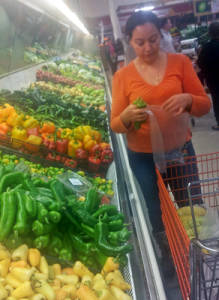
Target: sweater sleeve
<point>119,104</point>
<point>201,103</point>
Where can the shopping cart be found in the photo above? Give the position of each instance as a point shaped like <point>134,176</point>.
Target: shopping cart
<point>202,185</point>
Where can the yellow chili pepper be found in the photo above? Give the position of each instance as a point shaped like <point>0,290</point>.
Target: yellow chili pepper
<point>43,266</point>
<point>23,274</point>
<point>19,264</point>
<point>34,257</point>
<point>14,120</point>
<point>20,253</point>
<point>4,266</point>
<point>44,288</point>
<point>80,270</point>
<point>13,281</point>
<point>119,294</point>
<point>70,289</point>
<point>37,297</point>
<point>26,289</point>
<point>97,136</point>
<point>68,279</point>
<point>57,269</point>
<point>20,134</point>
<point>9,289</point>
<point>51,273</point>
<point>116,281</point>
<point>56,285</point>
<point>11,298</point>
<point>88,142</point>
<point>61,295</point>
<point>3,254</point>
<point>110,266</point>
<point>73,145</point>
<point>40,276</point>
<point>30,123</point>
<point>3,292</point>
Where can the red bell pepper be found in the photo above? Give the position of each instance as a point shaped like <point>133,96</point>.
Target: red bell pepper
<point>81,153</point>
<point>62,146</point>
<point>96,150</point>
<point>107,156</point>
<point>70,163</point>
<point>33,131</point>
<point>94,167</point>
<point>53,157</point>
<point>49,144</point>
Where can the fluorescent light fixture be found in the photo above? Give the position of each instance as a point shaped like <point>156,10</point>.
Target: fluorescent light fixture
<point>145,8</point>
<point>59,4</point>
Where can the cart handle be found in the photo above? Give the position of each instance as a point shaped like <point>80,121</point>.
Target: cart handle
<point>207,250</point>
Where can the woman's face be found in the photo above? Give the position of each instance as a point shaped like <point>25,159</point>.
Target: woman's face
<point>146,42</point>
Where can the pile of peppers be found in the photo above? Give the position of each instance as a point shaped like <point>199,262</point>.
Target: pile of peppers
<point>47,216</point>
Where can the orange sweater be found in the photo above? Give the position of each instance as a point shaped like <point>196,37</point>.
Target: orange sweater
<point>128,85</point>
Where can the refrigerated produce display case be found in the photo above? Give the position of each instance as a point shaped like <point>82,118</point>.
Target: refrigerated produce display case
<point>31,41</point>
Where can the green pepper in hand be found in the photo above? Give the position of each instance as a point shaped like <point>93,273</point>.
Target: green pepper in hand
<point>140,104</point>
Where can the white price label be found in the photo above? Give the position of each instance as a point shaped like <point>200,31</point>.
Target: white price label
<point>75,181</point>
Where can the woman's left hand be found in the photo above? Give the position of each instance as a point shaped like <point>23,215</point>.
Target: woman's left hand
<point>177,104</point>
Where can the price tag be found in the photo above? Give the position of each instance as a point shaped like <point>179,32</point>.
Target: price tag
<point>75,181</point>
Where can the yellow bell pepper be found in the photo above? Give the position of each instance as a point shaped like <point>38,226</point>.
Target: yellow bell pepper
<point>13,281</point>
<point>64,133</point>
<point>73,145</point>
<point>97,136</point>
<point>113,279</point>
<point>23,274</point>
<point>3,292</point>
<point>5,112</point>
<point>25,290</point>
<point>33,140</point>
<point>34,257</point>
<point>20,134</point>
<point>88,142</point>
<point>80,270</point>
<point>87,130</point>
<point>110,265</point>
<point>119,294</point>
<point>78,134</point>
<point>30,123</point>
<point>20,253</point>
<point>43,266</point>
<point>43,287</point>
<point>14,120</point>
<point>4,266</point>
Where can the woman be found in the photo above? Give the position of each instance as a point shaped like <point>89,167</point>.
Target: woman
<point>208,62</point>
<point>162,79</point>
<point>111,56</point>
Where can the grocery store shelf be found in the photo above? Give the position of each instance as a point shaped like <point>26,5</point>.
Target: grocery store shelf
<point>149,270</point>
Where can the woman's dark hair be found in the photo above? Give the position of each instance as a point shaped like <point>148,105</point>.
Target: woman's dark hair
<point>140,18</point>
<point>163,22</point>
<point>214,30</point>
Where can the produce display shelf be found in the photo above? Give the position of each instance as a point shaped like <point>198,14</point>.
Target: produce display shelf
<point>208,168</point>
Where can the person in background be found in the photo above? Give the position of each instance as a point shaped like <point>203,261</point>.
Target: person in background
<point>111,55</point>
<point>169,81</point>
<point>208,62</point>
<point>167,44</point>
<point>120,53</point>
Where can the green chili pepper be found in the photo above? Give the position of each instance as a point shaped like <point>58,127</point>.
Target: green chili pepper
<point>140,104</point>
<point>92,201</point>
<point>100,237</point>
<point>41,242</point>
<point>115,225</point>
<point>111,210</point>
<point>81,247</point>
<point>72,220</point>
<point>83,216</point>
<point>40,228</point>
<point>21,215</point>
<point>8,213</point>
<point>66,251</point>
<point>30,205</point>
<point>88,230</point>
<point>12,242</point>
<point>100,257</point>
<point>55,245</point>
<point>54,217</point>
<point>42,213</point>
<point>119,216</point>
<point>12,178</point>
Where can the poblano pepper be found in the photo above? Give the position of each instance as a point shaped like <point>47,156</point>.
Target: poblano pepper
<point>92,201</point>
<point>12,179</point>
<point>81,247</point>
<point>66,251</point>
<point>41,242</point>
<point>140,104</point>
<point>7,216</point>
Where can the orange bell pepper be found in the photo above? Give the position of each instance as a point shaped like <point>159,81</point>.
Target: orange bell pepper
<point>20,134</point>
<point>48,127</point>
<point>73,146</point>
<point>88,142</point>
<point>33,140</point>
<point>30,123</point>
<point>104,145</point>
<point>4,128</point>
<point>47,136</point>
<point>97,136</point>
<point>14,120</point>
<point>5,112</point>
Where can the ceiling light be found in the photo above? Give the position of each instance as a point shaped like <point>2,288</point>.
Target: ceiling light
<point>145,8</point>
<point>69,14</point>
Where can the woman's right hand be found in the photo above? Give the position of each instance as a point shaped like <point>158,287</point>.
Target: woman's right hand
<point>133,114</point>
